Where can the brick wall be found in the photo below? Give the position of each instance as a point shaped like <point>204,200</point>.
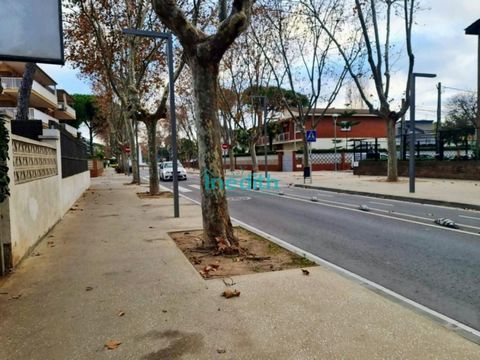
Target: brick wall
<point>461,170</point>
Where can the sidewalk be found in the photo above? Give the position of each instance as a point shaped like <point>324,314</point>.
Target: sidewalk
<point>113,255</point>
<point>447,192</point>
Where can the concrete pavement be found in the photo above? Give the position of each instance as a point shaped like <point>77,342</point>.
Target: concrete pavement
<point>113,255</point>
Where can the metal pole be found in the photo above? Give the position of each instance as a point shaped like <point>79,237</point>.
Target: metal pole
<point>411,162</point>
<point>439,116</point>
<point>477,128</point>
<point>265,114</point>
<point>402,134</point>
<point>173,117</point>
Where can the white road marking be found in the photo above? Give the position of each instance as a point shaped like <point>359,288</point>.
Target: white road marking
<point>195,186</point>
<point>184,190</point>
<point>469,217</point>
<point>328,203</point>
<point>379,203</point>
<point>363,281</point>
<point>355,206</point>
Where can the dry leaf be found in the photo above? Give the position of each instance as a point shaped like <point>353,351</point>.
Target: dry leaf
<point>16,297</point>
<point>305,272</point>
<point>221,351</point>
<point>121,313</point>
<point>88,288</point>
<point>112,344</point>
<point>229,293</point>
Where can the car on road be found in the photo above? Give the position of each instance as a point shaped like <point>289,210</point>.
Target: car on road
<point>166,171</point>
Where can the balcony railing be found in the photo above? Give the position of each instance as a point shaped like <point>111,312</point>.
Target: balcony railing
<point>62,106</point>
<point>33,114</point>
<point>14,83</point>
<point>284,137</point>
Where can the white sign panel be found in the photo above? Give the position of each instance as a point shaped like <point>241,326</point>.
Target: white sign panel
<point>31,30</point>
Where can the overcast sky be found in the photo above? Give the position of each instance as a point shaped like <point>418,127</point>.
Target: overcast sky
<point>440,46</point>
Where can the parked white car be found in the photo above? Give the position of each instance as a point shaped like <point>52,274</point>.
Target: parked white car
<point>166,171</point>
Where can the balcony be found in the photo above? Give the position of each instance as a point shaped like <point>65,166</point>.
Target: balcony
<point>65,112</point>
<point>33,114</point>
<point>280,138</point>
<point>41,96</point>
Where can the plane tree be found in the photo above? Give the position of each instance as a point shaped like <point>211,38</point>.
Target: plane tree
<point>203,51</point>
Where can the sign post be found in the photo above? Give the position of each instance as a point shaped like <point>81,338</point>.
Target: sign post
<point>311,138</point>
<point>225,148</point>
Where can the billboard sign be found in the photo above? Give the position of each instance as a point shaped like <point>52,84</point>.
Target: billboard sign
<point>31,31</point>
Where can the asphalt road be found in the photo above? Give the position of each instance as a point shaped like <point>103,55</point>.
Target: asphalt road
<point>396,244</point>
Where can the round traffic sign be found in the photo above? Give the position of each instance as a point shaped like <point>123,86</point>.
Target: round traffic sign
<point>225,146</point>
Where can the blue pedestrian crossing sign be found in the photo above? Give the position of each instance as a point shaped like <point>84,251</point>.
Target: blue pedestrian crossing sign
<point>311,136</point>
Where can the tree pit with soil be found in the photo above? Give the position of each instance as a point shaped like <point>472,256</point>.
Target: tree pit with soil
<point>254,254</point>
<point>160,195</point>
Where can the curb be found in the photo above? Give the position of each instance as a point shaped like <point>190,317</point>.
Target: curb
<point>394,197</point>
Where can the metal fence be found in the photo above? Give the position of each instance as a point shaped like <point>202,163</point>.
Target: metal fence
<point>73,151</point>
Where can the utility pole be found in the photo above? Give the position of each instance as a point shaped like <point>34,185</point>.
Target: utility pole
<point>265,131</point>
<point>411,163</point>
<point>439,116</point>
<point>402,134</point>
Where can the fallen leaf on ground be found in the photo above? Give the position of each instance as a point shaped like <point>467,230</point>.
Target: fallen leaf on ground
<point>16,297</point>
<point>229,293</point>
<point>88,288</point>
<point>221,351</point>
<point>112,344</point>
<point>196,260</point>
<point>205,272</point>
<point>121,313</point>
<point>164,311</point>
<point>305,272</point>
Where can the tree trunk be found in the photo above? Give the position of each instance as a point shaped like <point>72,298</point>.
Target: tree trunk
<point>90,132</point>
<point>23,99</point>
<point>231,156</point>
<point>392,173</point>
<point>216,218</point>
<point>133,151</point>
<point>152,156</point>
<point>253,155</point>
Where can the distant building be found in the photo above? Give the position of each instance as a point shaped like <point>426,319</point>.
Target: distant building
<point>47,103</point>
<point>421,127</point>
<point>366,127</point>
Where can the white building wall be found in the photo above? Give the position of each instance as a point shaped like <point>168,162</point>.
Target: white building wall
<point>36,206</point>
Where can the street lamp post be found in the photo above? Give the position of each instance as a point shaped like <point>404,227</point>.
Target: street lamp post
<point>474,29</point>
<point>173,117</point>
<point>265,131</point>
<point>411,162</point>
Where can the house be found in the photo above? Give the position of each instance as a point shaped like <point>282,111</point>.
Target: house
<point>364,126</point>
<point>47,103</point>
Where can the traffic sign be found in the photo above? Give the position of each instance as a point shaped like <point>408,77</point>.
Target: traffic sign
<point>127,149</point>
<point>225,146</point>
<point>311,136</point>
